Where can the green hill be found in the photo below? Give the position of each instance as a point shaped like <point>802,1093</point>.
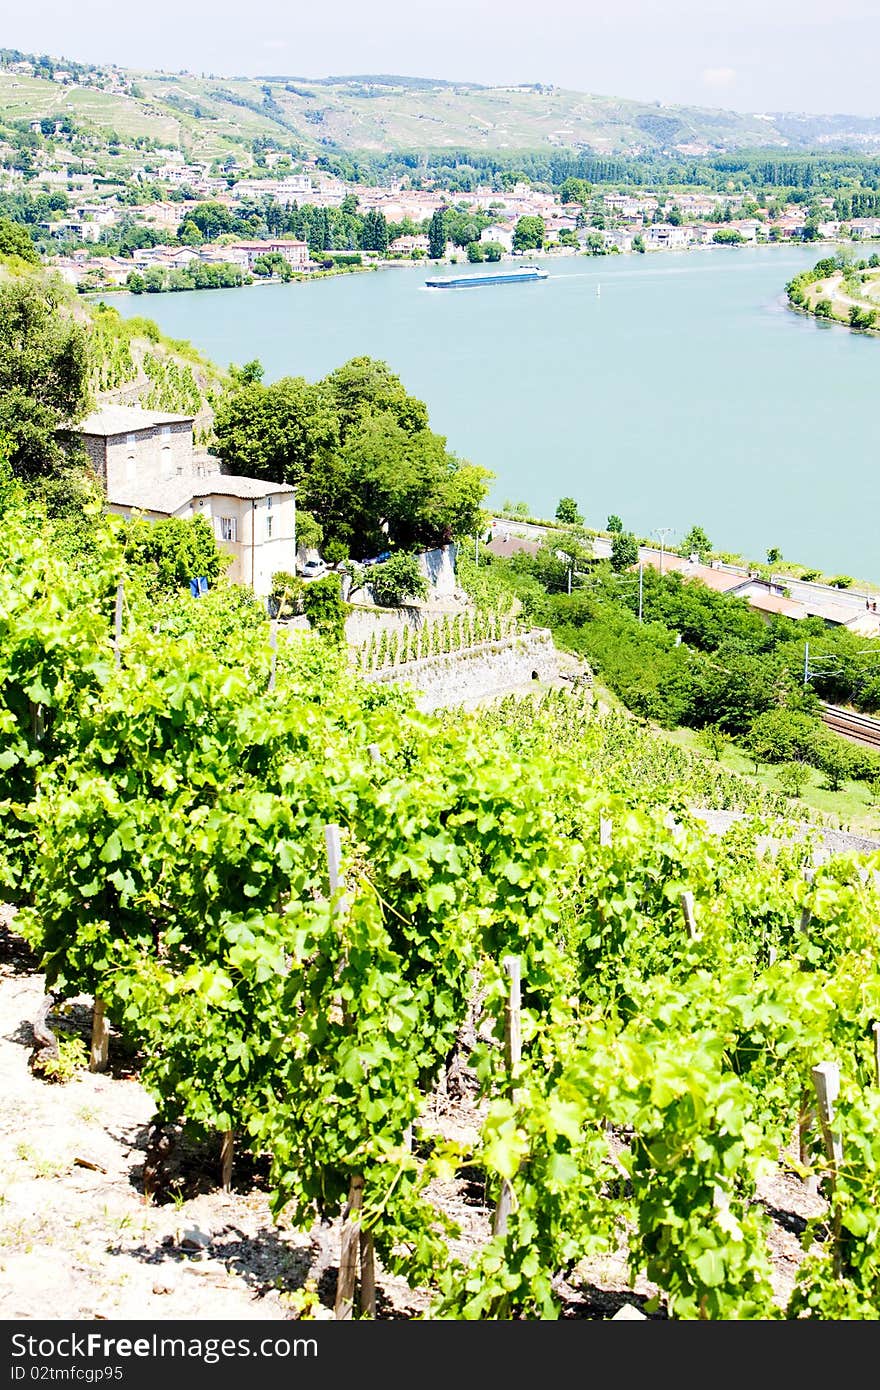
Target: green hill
<point>208,115</point>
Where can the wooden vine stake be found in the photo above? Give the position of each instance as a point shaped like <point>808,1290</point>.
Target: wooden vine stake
<point>826,1081</point>
<point>512,1057</point>
<point>117,621</point>
<point>604,832</point>
<point>227,1150</point>
<point>354,1242</point>
<point>273,643</point>
<point>875,1029</point>
<point>809,876</point>
<point>690,919</point>
<point>99,1054</point>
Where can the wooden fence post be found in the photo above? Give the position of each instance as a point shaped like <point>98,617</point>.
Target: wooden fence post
<point>512,1057</point>
<point>809,876</point>
<point>117,621</point>
<point>348,1255</point>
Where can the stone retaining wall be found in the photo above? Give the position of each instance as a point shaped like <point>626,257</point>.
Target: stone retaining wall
<point>489,668</point>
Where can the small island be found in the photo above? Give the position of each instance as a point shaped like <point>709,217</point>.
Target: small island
<point>840,288</point>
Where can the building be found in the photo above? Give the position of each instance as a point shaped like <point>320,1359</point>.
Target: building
<point>405,245</point>
<point>147,467</point>
<point>244,253</point>
<point>499,233</point>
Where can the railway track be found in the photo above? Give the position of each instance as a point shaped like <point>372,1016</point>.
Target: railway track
<point>858,728</point>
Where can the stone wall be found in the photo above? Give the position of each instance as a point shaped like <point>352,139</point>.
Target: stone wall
<point>438,567</point>
<point>490,668</point>
<point>363,621</point>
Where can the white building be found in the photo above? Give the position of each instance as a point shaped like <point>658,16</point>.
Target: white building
<point>500,233</point>
<point>244,253</point>
<point>146,464</point>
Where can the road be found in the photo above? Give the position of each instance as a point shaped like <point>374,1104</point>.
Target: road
<point>800,590</point>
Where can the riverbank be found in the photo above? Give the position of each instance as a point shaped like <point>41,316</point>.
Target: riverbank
<point>459,258</point>
<point>840,289</point>
<point>517,522</point>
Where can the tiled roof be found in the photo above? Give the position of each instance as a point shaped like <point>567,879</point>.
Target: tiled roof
<point>776,603</point>
<point>126,419</point>
<point>170,495</point>
<point>235,485</point>
<point>505,548</point>
<point>166,497</point>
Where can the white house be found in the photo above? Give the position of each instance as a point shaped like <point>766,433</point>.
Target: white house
<point>146,464</point>
<point>244,253</point>
<point>500,233</point>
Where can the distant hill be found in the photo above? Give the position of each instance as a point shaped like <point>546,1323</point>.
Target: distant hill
<point>209,115</point>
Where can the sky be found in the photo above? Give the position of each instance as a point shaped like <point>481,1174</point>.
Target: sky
<point>746,55</point>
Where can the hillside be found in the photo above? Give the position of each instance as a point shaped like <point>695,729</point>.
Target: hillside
<point>210,116</point>
<point>133,363</point>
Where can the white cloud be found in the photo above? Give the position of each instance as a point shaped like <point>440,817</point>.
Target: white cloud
<point>274,43</point>
<point>718,77</point>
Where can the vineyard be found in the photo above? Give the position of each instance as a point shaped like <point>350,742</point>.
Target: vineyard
<point>451,633</point>
<point>132,361</point>
<point>305,905</point>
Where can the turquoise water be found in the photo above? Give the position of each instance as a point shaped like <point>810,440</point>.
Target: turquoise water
<point>683,392</point>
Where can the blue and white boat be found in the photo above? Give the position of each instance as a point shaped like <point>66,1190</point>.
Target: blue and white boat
<point>521,274</point>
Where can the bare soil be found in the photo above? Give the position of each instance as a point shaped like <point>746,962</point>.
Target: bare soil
<point>79,1240</point>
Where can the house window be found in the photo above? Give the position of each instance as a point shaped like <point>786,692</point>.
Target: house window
<point>228,528</point>
<point>131,440</point>
<point>269,526</point>
<point>166,430</point>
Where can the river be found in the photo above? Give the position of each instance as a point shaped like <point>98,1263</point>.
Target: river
<point>671,388</point>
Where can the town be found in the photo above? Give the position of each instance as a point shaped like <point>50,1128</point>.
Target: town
<point>113,212</point>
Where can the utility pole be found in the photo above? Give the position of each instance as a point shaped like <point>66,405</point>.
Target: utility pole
<point>662,532</point>
<point>570,568</point>
<point>806,662</point>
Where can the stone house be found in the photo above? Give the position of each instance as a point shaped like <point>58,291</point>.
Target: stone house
<point>148,467</point>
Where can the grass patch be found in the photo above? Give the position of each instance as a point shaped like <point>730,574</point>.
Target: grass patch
<point>852,807</point>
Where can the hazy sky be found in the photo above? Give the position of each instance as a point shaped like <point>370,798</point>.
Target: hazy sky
<point>748,55</point>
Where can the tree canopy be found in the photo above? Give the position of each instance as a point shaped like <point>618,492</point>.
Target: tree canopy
<point>44,368</point>
<point>359,451</point>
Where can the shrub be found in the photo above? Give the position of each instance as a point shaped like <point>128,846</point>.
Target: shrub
<point>72,1058</point>
<point>325,607</point>
<point>624,550</point>
<point>793,778</point>
<point>397,580</point>
<point>287,594</point>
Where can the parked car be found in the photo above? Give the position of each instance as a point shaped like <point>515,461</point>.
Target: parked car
<point>314,569</point>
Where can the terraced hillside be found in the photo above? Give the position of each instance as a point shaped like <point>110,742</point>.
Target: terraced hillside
<point>209,115</point>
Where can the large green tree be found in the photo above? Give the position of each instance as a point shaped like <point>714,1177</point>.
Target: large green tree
<point>437,236</point>
<point>279,432</point>
<point>44,376</point>
<point>359,451</point>
<point>529,234</point>
<point>15,241</point>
